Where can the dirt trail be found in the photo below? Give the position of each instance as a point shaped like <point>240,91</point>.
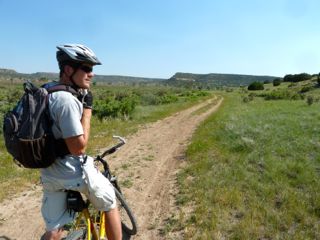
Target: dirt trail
<point>146,167</point>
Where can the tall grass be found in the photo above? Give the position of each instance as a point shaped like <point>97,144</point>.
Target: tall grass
<point>253,172</point>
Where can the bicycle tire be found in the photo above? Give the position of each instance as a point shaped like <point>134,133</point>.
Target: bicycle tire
<point>128,222</point>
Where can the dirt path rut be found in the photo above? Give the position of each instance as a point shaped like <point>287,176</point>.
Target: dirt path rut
<point>146,167</point>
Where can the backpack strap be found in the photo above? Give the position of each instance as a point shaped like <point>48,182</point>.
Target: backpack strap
<point>61,147</point>
<point>62,87</point>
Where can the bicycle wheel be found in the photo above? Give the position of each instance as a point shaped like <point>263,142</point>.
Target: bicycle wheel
<point>128,222</point>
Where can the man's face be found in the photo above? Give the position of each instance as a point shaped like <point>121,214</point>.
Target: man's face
<point>83,76</point>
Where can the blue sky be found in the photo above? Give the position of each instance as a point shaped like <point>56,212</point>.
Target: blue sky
<point>150,38</point>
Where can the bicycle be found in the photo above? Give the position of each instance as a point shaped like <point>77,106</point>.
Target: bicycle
<point>89,223</point>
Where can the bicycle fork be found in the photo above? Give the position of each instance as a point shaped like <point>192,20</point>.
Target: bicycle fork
<point>91,229</point>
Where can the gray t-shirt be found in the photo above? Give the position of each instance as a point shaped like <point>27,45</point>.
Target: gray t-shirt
<point>66,112</point>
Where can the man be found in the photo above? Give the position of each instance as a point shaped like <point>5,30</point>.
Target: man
<point>71,121</point>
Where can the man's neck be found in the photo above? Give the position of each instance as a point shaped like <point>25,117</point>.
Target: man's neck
<point>65,81</point>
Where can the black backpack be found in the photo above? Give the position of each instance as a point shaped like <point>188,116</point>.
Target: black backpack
<point>27,128</point>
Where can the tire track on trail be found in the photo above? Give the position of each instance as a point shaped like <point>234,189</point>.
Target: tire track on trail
<point>146,168</point>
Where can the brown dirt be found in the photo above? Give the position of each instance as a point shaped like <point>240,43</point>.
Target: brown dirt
<point>146,167</point>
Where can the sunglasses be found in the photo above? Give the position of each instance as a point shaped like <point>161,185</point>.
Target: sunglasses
<point>86,69</point>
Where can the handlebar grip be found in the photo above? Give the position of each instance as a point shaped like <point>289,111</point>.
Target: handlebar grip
<point>114,148</point>
<point>120,138</point>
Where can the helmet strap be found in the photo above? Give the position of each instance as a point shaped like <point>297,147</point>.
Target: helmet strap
<point>75,67</point>
<point>72,80</point>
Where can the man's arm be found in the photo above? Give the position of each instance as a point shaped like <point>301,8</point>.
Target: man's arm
<point>77,145</point>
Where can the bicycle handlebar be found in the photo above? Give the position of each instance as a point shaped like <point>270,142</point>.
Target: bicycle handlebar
<point>114,148</point>
<point>106,168</point>
<point>110,151</point>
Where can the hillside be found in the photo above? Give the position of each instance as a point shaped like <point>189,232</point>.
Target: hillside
<point>211,80</point>
<point>9,74</point>
<point>216,79</point>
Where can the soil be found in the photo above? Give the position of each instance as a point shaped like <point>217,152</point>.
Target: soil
<point>146,168</point>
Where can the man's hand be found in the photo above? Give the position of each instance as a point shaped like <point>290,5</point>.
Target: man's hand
<point>86,99</point>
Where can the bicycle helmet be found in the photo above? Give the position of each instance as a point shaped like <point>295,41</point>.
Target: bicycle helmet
<point>76,53</point>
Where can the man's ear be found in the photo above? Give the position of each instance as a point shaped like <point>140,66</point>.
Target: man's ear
<point>68,70</point>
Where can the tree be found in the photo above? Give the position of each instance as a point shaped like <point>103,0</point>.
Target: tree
<point>297,77</point>
<point>256,86</point>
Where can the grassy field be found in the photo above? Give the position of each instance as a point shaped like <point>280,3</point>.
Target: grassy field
<point>253,173</point>
<point>253,168</point>
<point>14,179</point>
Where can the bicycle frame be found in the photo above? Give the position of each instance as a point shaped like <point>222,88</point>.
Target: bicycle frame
<point>90,223</point>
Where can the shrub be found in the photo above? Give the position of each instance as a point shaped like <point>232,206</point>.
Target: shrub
<point>127,106</point>
<point>168,99</point>
<point>305,89</point>
<point>296,77</point>
<point>310,100</point>
<point>282,94</point>
<point>256,86</point>
<point>251,96</point>
<point>292,85</point>
<point>111,107</point>
<point>14,96</point>
<point>245,99</point>
<point>276,82</point>
<point>149,99</point>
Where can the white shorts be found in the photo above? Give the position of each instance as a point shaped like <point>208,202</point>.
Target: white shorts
<point>54,206</point>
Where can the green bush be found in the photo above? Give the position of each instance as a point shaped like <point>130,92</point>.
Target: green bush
<point>310,100</point>
<point>166,99</point>
<point>245,99</point>
<point>292,85</point>
<point>111,107</point>
<point>306,89</point>
<point>276,82</point>
<point>249,98</point>
<point>256,86</point>
<point>8,99</point>
<point>297,77</point>
<point>282,94</point>
<point>149,99</point>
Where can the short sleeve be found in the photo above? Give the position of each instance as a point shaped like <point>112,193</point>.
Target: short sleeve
<point>66,113</point>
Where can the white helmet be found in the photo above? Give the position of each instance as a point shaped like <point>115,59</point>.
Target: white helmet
<point>76,53</point>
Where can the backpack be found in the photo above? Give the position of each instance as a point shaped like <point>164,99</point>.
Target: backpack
<point>27,128</point>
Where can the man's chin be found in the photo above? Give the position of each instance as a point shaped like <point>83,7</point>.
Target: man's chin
<point>85,86</point>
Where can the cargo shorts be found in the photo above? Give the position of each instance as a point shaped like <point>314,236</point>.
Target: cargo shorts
<point>92,184</point>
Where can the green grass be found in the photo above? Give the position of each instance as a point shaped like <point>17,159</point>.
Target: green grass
<point>253,172</point>
<point>206,107</point>
<point>149,113</point>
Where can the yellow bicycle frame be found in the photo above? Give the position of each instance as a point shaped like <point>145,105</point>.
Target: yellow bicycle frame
<point>90,223</point>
